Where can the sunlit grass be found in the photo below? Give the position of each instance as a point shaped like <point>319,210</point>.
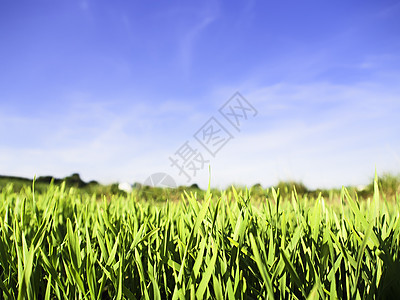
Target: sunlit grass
<point>65,244</point>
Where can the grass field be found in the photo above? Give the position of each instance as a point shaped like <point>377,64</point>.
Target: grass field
<point>65,244</point>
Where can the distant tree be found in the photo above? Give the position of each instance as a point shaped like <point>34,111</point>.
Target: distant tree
<point>388,183</point>
<point>194,186</point>
<point>257,186</point>
<point>114,189</point>
<point>44,179</point>
<point>286,187</point>
<point>75,181</point>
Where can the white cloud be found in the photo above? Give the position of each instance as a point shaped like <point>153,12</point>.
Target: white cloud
<point>324,134</point>
<point>321,133</point>
<point>106,141</point>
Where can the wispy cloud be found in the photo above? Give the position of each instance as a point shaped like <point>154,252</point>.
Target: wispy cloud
<point>390,10</point>
<point>190,38</point>
<point>324,134</point>
<point>83,5</point>
<point>109,140</point>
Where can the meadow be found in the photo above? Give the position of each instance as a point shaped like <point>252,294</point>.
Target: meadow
<point>63,243</point>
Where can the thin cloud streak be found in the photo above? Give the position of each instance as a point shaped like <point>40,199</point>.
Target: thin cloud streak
<point>187,44</point>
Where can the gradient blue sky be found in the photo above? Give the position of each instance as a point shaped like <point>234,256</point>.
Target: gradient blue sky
<point>111,89</point>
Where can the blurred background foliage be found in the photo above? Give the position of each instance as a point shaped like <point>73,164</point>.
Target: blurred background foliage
<point>389,185</point>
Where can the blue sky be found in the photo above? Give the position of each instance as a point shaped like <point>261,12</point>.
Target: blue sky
<point>112,90</point>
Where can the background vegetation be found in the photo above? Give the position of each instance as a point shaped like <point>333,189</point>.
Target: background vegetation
<point>388,183</point>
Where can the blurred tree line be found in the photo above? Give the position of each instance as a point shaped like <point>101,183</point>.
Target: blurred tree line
<point>389,185</point>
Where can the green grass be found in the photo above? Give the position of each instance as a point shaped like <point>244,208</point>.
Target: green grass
<point>64,244</point>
